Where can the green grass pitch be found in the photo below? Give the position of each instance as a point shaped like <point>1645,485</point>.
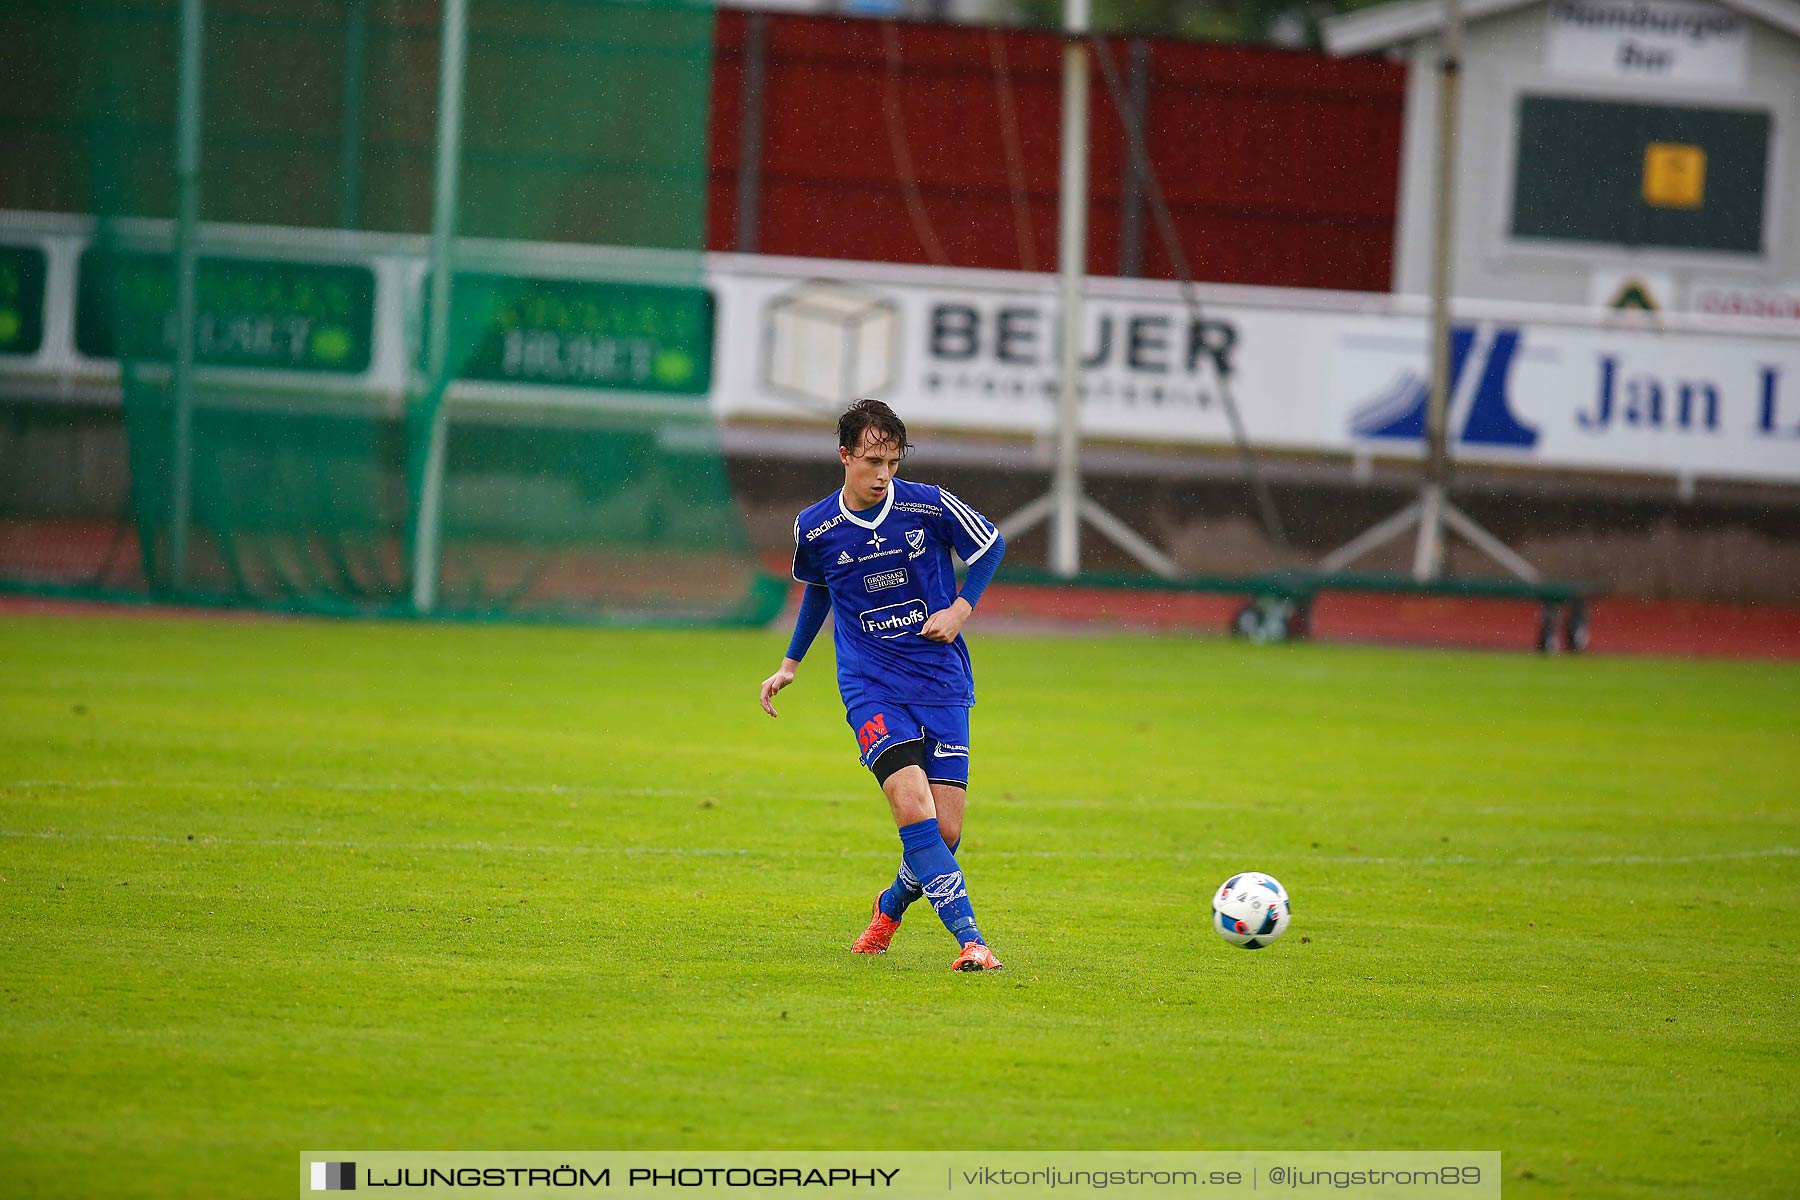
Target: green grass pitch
<point>277,885</point>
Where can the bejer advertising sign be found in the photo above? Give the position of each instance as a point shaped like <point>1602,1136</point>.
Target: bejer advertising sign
<point>984,357</point>
<point>977,351</point>
<point>1663,40</point>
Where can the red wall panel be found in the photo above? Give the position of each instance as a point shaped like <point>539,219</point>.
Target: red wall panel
<point>1279,168</point>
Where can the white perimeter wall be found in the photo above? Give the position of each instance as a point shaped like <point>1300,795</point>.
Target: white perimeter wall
<point>1539,387</point>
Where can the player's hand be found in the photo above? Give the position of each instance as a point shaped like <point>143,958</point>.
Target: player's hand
<point>945,625</point>
<point>774,683</point>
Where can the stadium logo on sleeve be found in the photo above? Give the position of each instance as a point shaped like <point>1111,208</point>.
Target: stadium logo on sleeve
<point>884,579</point>
<point>894,620</point>
<point>334,1177</point>
<point>813,534</point>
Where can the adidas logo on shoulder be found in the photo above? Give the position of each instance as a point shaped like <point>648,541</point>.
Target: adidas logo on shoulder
<point>844,557</point>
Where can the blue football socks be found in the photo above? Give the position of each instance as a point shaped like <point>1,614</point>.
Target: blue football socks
<point>905,889</point>
<point>940,880</point>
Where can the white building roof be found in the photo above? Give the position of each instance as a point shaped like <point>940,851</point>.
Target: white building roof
<point>1402,21</point>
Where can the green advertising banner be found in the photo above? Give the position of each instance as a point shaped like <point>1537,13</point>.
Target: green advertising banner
<point>587,334</point>
<point>286,316</point>
<point>21,299</point>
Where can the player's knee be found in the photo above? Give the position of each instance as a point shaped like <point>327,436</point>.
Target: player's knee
<point>911,810</point>
<point>901,773</point>
<point>910,804</point>
<point>948,799</point>
<point>916,798</point>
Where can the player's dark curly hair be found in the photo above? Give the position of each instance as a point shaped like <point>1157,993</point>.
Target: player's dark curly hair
<point>877,419</point>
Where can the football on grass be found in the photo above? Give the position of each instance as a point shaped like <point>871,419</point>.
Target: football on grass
<point>1250,910</point>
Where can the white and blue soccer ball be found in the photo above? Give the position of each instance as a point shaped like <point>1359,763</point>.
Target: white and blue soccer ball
<point>1250,910</point>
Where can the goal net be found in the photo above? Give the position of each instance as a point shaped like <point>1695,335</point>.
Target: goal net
<point>229,234</point>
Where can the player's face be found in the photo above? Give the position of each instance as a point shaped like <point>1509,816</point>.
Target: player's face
<point>869,469</point>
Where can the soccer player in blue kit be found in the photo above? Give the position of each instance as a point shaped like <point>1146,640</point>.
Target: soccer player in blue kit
<point>875,555</point>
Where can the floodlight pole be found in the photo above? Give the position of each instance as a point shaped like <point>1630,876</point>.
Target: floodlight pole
<point>1065,505</point>
<point>1428,552</point>
<point>426,533</point>
<point>187,220</point>
<point>350,125</point>
<point>1433,509</point>
<point>1065,528</point>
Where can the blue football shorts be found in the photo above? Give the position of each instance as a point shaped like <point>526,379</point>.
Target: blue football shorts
<point>880,725</point>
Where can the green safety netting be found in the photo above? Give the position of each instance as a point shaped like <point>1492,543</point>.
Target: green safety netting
<point>547,450</point>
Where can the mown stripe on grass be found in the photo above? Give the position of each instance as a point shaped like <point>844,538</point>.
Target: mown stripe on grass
<point>1600,860</point>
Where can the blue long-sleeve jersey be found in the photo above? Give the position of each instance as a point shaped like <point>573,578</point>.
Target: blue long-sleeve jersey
<point>887,570</point>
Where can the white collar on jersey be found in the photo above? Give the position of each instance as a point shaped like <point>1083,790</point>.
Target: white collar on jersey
<point>881,516</point>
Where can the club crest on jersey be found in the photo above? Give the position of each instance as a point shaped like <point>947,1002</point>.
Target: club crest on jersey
<point>916,539</point>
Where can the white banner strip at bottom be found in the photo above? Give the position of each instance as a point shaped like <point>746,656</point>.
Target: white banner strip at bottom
<point>909,1175</point>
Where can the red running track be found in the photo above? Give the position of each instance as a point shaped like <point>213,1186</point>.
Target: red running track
<point>1684,629</point>
<point>1619,626</point>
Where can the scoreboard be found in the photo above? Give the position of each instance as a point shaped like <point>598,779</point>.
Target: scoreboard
<point>1623,173</point>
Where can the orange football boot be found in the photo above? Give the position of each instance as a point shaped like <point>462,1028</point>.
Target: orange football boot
<point>875,939</point>
<point>975,957</point>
